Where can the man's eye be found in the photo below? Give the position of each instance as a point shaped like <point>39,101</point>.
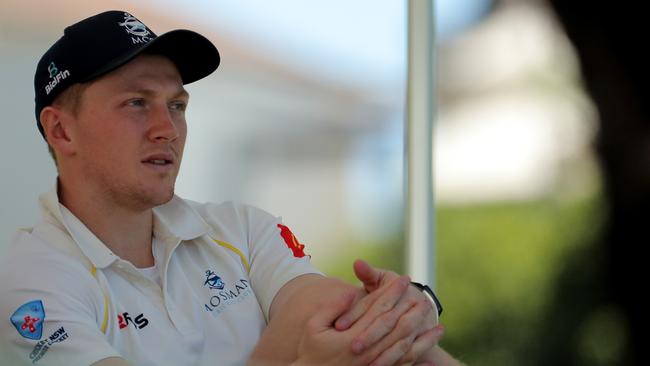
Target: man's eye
<point>178,106</point>
<point>136,103</point>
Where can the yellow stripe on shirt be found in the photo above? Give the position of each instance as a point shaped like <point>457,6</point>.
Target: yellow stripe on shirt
<point>93,271</point>
<point>237,251</point>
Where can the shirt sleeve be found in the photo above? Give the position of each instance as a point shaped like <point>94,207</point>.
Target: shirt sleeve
<point>276,255</point>
<point>50,309</point>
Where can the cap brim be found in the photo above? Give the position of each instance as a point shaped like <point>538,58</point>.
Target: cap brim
<point>194,55</point>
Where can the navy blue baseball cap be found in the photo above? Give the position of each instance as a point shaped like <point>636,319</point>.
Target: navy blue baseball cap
<point>103,42</point>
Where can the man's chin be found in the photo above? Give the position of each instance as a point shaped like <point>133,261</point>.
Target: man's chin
<point>155,197</point>
<point>164,197</point>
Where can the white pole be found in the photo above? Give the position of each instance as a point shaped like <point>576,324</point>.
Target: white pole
<point>418,144</point>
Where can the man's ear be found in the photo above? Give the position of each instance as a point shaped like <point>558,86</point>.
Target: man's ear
<point>57,127</point>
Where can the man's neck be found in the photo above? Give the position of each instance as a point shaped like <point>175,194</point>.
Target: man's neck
<point>125,231</point>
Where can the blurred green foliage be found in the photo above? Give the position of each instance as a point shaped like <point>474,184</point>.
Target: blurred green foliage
<point>499,268</point>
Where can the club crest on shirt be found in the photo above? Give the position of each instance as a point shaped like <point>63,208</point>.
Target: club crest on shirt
<point>28,319</point>
<point>213,281</point>
<point>224,295</point>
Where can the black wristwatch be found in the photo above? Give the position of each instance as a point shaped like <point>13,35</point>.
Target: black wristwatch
<point>428,292</point>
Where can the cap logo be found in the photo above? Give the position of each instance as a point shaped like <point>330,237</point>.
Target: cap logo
<point>137,28</point>
<point>55,77</point>
<point>52,69</point>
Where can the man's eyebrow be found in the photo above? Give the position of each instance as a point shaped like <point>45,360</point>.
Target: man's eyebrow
<point>180,93</point>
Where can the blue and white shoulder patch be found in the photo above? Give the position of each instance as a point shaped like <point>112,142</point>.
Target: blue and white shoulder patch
<point>28,319</point>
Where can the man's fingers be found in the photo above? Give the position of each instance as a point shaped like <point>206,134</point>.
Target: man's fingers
<point>324,318</point>
<point>425,342</point>
<point>386,300</point>
<point>409,350</point>
<point>371,300</point>
<point>346,320</point>
<point>393,354</point>
<point>368,275</point>
<point>381,326</point>
<point>384,303</point>
<point>372,281</point>
<point>408,327</point>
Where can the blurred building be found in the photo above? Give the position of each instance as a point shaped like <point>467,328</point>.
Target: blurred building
<point>514,122</point>
<point>326,155</point>
<point>259,132</point>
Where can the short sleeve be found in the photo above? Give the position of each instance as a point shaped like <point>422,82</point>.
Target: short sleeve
<point>50,308</point>
<point>276,255</point>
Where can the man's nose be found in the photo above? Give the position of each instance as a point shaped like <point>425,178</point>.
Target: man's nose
<point>163,126</point>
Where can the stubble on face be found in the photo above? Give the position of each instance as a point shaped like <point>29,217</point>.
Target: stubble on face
<point>137,197</point>
<point>127,120</point>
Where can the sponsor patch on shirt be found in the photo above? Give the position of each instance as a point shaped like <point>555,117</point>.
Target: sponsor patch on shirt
<point>43,346</point>
<point>124,320</point>
<point>28,319</point>
<point>296,248</point>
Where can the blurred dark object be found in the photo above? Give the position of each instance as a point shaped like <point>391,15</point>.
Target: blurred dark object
<point>609,38</point>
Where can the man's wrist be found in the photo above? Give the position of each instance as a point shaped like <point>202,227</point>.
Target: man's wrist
<point>428,292</point>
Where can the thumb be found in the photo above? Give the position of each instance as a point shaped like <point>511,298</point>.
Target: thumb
<point>332,309</point>
<point>368,275</point>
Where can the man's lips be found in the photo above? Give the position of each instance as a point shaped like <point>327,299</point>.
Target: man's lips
<point>160,161</point>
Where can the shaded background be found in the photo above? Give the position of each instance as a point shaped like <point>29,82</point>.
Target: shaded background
<point>304,118</point>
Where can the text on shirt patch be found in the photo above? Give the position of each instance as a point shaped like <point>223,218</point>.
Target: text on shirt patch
<point>43,346</point>
<point>28,319</point>
<point>124,320</point>
<point>225,296</point>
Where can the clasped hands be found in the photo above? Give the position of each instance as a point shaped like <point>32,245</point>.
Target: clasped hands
<point>388,322</point>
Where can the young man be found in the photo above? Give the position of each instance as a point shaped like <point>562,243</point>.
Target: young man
<point>120,271</point>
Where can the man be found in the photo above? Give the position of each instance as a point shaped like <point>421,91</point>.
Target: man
<point>120,271</point>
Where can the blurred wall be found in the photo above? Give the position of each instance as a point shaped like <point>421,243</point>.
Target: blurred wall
<point>261,131</point>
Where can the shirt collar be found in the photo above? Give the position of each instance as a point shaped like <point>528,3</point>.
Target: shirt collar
<point>93,248</point>
<point>176,219</point>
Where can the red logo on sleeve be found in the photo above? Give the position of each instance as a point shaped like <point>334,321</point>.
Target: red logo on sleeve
<point>291,241</point>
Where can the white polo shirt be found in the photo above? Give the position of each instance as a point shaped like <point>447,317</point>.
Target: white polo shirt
<point>66,299</point>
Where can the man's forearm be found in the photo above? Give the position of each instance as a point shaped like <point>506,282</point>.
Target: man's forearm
<point>391,322</point>
<point>440,357</point>
<point>297,302</point>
